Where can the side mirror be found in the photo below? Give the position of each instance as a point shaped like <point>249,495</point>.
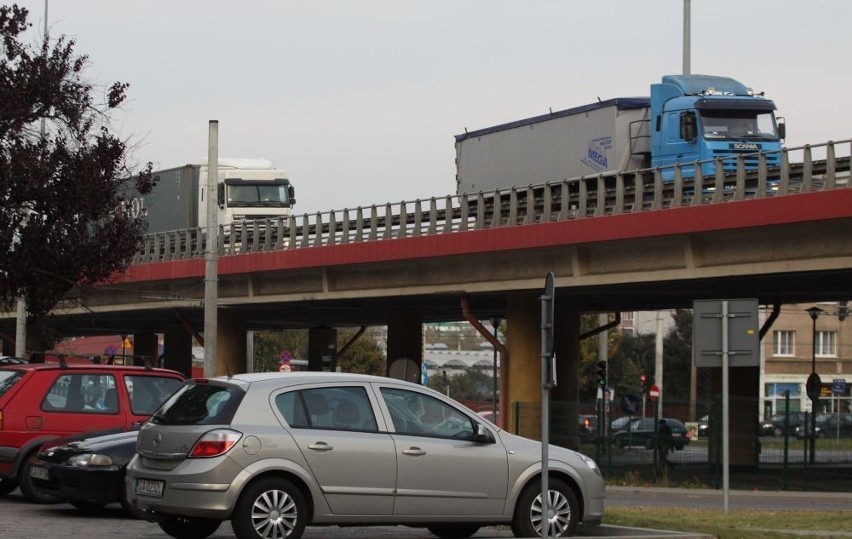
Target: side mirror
<point>688,126</point>
<point>291,194</point>
<point>782,131</point>
<point>220,195</point>
<point>483,435</point>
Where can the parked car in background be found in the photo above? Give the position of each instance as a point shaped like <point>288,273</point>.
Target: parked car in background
<point>40,402</point>
<point>87,471</point>
<point>644,433</point>
<point>11,360</point>
<point>828,426</point>
<point>622,423</point>
<point>704,426</point>
<point>777,421</point>
<point>275,452</point>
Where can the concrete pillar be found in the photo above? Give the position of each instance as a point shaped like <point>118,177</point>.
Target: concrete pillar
<point>177,349</point>
<point>322,348</point>
<point>145,345</point>
<point>231,342</point>
<point>405,342</point>
<point>524,373</point>
<point>523,384</point>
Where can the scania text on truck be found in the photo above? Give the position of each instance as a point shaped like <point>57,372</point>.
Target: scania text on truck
<point>687,119</point>
<point>247,189</point>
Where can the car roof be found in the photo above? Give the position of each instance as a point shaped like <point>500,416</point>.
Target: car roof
<point>284,379</point>
<point>85,366</point>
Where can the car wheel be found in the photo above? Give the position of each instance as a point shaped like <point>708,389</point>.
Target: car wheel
<point>562,508</point>
<point>459,531</point>
<point>25,481</point>
<point>270,508</point>
<point>7,486</point>
<point>88,508</point>
<point>189,527</point>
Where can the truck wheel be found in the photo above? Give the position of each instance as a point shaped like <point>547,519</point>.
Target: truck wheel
<point>25,481</point>
<point>189,527</point>
<point>269,509</point>
<point>562,506</point>
<point>7,486</point>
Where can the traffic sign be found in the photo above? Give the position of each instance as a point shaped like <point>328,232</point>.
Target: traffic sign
<point>838,386</point>
<point>813,386</point>
<point>743,333</point>
<point>630,404</point>
<point>653,393</point>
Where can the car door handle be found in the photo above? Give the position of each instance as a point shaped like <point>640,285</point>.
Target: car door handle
<point>320,446</point>
<point>413,451</point>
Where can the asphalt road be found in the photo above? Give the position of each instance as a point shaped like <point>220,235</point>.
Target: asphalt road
<point>22,520</point>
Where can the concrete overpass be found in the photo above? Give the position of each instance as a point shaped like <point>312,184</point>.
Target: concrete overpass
<point>627,241</point>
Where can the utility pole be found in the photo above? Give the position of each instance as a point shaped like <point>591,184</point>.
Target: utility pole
<point>211,252</point>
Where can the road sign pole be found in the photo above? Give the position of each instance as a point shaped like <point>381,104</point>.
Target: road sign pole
<point>548,380</point>
<point>726,443</point>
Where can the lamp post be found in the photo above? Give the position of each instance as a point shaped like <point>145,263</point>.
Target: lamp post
<point>814,383</point>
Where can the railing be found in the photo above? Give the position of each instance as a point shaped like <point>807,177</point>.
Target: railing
<point>802,169</point>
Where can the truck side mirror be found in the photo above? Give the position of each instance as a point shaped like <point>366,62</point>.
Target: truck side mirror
<point>220,195</point>
<point>688,127</point>
<point>291,194</point>
<point>782,131</point>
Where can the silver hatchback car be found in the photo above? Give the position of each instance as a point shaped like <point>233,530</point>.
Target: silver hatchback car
<point>275,452</point>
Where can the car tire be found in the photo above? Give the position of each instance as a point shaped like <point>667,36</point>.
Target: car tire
<point>25,482</point>
<point>7,486</point>
<point>188,527</point>
<point>271,500</point>
<point>526,521</point>
<point>458,531</point>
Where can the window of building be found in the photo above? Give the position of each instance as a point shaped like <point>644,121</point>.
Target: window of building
<point>783,343</point>
<point>826,344</point>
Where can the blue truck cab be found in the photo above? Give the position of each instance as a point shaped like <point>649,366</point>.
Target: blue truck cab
<point>702,117</point>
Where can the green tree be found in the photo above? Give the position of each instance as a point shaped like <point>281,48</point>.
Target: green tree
<point>364,356</point>
<point>634,357</point>
<point>268,346</point>
<point>65,184</point>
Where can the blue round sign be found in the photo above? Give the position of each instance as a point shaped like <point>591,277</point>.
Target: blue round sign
<point>630,404</point>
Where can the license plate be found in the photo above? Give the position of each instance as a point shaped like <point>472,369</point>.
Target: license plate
<point>149,487</point>
<point>37,472</point>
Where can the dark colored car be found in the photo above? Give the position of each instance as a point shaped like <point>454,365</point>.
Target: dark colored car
<point>40,402</point>
<point>588,429</point>
<point>87,472</point>
<point>622,423</point>
<point>778,426</point>
<point>828,426</point>
<point>643,433</point>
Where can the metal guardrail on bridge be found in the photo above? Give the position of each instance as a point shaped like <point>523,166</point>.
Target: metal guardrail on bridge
<point>802,169</point>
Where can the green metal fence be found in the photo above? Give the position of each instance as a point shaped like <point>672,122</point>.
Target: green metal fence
<point>777,453</point>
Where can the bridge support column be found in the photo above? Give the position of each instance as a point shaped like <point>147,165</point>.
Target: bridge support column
<point>177,349</point>
<point>322,346</point>
<point>231,342</point>
<point>744,385</point>
<point>524,371</point>
<point>405,342</point>
<point>145,345</point>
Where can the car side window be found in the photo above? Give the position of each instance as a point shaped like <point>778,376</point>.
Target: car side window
<point>338,408</point>
<point>147,393</point>
<point>420,414</point>
<point>82,393</point>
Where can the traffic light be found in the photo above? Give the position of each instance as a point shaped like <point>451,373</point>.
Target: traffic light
<point>602,373</point>
<point>643,383</point>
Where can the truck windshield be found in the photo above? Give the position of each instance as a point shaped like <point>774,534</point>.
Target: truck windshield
<point>258,195</point>
<point>738,124</point>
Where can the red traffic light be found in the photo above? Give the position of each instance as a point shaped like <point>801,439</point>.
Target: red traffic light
<point>642,378</point>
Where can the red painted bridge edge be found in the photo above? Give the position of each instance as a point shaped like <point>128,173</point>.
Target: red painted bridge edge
<point>780,210</point>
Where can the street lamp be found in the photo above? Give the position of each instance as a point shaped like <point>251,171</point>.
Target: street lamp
<point>814,383</point>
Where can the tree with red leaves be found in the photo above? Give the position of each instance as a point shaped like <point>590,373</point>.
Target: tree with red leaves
<point>65,181</point>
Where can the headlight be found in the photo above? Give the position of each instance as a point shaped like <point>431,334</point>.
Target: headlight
<point>86,460</point>
<point>590,463</point>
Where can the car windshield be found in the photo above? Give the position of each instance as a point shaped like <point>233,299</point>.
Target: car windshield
<point>8,379</point>
<point>200,404</point>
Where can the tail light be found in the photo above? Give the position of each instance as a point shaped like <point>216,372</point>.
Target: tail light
<point>1,419</point>
<point>214,443</point>
<point>586,423</point>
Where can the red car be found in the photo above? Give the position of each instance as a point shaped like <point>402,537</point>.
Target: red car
<point>40,402</point>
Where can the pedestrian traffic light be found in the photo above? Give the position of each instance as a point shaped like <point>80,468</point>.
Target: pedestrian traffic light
<point>602,373</point>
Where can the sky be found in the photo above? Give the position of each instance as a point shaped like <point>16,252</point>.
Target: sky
<point>359,100</point>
